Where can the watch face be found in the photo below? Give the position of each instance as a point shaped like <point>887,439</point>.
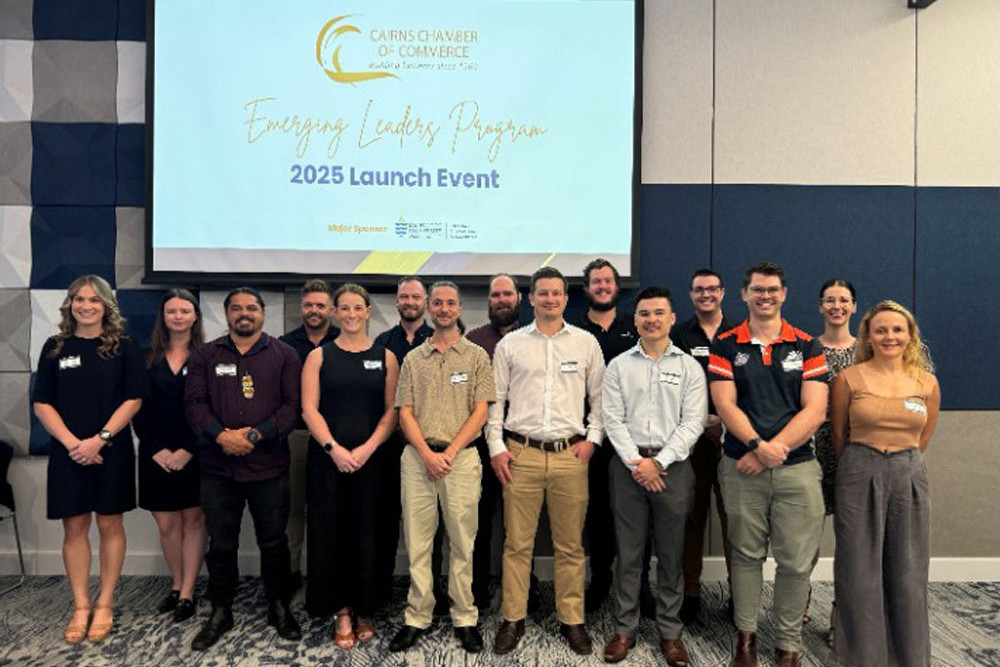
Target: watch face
<point>328,447</point>
<point>253,436</point>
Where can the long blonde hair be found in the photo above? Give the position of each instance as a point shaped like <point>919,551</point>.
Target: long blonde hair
<point>112,324</point>
<point>915,356</point>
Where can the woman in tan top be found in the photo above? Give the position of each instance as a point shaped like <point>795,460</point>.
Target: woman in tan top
<point>883,413</point>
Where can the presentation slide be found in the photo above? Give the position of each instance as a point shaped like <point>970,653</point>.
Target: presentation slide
<point>428,137</point>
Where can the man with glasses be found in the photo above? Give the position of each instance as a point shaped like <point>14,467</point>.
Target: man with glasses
<point>695,336</point>
<point>768,383</point>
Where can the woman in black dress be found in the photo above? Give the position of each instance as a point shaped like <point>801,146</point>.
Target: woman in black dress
<point>89,386</point>
<point>168,468</point>
<point>348,394</point>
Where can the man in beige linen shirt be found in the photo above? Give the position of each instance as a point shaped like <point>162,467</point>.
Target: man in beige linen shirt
<point>445,387</point>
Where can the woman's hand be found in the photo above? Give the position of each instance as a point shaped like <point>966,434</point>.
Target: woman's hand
<point>162,459</point>
<point>88,451</point>
<point>178,459</point>
<point>344,459</point>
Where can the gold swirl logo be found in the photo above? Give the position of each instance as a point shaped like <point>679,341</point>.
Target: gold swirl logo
<point>329,60</point>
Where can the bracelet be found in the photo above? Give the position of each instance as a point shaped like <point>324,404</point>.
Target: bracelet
<point>656,462</point>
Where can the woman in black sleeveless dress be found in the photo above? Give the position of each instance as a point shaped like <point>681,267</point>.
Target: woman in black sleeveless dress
<point>168,464</point>
<point>348,393</point>
<point>90,384</point>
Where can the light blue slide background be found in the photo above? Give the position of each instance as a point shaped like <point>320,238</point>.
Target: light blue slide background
<point>565,65</point>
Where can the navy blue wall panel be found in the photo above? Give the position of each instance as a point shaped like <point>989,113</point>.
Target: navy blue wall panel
<point>674,238</point>
<point>958,291</point>
<point>863,233</point>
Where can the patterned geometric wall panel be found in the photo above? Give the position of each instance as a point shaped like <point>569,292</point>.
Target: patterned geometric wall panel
<point>130,247</point>
<point>15,163</point>
<point>15,409</point>
<point>16,89</point>
<point>44,319</point>
<point>15,330</point>
<point>68,241</point>
<point>75,82</point>
<point>15,246</point>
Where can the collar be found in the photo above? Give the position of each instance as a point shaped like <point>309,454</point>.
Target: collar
<point>620,318</point>
<point>300,334</point>
<point>669,352</point>
<point>533,328</point>
<point>694,325</point>
<point>423,331</point>
<point>744,335</point>
<point>427,348</point>
<point>227,342</point>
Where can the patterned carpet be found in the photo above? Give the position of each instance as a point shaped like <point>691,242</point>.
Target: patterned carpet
<point>965,631</point>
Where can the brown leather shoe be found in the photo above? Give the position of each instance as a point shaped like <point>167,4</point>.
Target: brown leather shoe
<point>577,637</point>
<point>617,648</point>
<point>746,650</point>
<point>674,652</point>
<point>786,658</point>
<point>508,636</point>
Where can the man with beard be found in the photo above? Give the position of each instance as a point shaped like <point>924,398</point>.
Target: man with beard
<point>616,333</point>
<point>504,301</point>
<point>242,399</point>
<point>695,337</point>
<point>412,330</point>
<point>316,308</point>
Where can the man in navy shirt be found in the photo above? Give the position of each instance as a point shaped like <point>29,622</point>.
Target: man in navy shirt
<point>768,383</point>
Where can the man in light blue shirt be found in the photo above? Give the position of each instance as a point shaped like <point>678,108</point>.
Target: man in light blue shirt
<point>654,400</point>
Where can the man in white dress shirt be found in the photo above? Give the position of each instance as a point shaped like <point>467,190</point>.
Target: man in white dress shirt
<point>548,371</point>
<point>655,401</point>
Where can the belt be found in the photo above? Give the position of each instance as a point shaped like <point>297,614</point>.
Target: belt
<point>649,452</point>
<point>551,446</point>
<point>887,453</point>
<point>436,446</point>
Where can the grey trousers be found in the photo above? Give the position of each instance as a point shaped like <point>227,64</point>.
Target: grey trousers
<point>882,558</point>
<point>635,510</point>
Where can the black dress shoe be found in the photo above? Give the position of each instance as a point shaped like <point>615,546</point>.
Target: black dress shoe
<point>577,638</point>
<point>280,616</point>
<point>184,610</point>
<point>169,603</point>
<point>469,638</point>
<point>508,636</point>
<point>690,609</point>
<point>405,638</point>
<point>219,623</point>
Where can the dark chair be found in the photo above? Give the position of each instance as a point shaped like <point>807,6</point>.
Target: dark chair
<point>7,509</point>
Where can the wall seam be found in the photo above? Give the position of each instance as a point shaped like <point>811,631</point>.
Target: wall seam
<point>711,176</point>
<point>916,120</point>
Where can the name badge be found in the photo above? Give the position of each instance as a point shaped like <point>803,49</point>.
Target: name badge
<point>225,369</point>
<point>669,377</point>
<point>373,365</point>
<point>569,367</point>
<point>700,351</point>
<point>914,405</point>
<point>459,378</point>
<point>184,370</point>
<point>69,362</point>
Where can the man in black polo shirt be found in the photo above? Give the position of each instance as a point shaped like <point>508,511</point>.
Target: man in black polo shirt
<point>316,308</point>
<point>768,383</point>
<point>412,330</point>
<point>616,333</point>
<point>695,336</point>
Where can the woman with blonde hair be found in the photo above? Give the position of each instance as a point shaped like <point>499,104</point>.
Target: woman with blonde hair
<point>884,410</point>
<point>168,465</point>
<point>90,384</point>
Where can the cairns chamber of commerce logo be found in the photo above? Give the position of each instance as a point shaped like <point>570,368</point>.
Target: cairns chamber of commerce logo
<point>328,53</point>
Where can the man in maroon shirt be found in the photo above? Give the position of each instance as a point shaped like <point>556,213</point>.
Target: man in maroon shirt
<point>242,399</point>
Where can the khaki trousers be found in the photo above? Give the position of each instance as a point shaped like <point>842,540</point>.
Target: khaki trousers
<point>782,507</point>
<point>458,493</point>
<point>560,480</point>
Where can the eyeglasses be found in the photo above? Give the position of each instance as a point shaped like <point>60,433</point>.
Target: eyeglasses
<point>711,289</point>
<point>757,290</point>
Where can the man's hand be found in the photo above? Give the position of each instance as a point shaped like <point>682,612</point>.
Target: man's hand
<point>178,459</point>
<point>648,476</point>
<point>501,467</point>
<point>583,450</point>
<point>234,442</point>
<point>438,465</point>
<point>771,453</point>
<point>749,464</point>
<point>162,459</point>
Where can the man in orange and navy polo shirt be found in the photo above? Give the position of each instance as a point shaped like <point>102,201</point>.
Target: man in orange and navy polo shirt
<point>768,383</point>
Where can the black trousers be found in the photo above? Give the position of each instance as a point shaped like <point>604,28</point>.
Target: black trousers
<point>482,557</point>
<point>390,513</point>
<point>600,525</point>
<point>223,500</point>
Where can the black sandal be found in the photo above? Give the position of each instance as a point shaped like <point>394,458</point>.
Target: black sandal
<point>169,603</point>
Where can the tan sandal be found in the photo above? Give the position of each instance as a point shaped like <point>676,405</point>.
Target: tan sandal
<point>100,631</point>
<point>343,640</point>
<point>76,632</point>
<point>366,631</point>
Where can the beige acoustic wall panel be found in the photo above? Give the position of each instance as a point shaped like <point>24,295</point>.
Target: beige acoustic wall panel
<point>811,92</point>
<point>677,92</point>
<point>958,101</point>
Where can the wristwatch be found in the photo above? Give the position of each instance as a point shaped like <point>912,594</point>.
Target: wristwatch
<point>105,436</point>
<point>328,447</point>
<point>753,443</point>
<point>254,436</point>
